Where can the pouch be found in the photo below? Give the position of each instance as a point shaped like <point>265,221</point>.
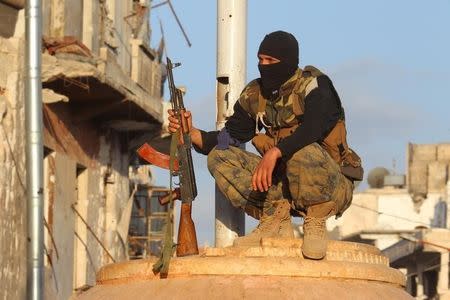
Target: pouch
<point>263,143</point>
<point>351,166</point>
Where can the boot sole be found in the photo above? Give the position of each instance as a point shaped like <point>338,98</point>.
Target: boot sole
<point>313,255</point>
<point>257,243</point>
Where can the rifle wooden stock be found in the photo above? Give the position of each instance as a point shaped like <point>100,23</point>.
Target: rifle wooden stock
<point>187,238</point>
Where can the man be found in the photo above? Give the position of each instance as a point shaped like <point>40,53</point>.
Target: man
<point>299,171</point>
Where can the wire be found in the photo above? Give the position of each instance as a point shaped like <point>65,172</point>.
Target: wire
<point>179,23</point>
<point>159,4</point>
<point>49,258</point>
<point>92,232</point>
<point>16,165</point>
<point>172,9</point>
<point>390,215</point>
<point>86,248</point>
<point>52,239</point>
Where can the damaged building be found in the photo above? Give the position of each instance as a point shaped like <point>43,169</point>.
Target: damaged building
<point>102,97</point>
<point>406,216</point>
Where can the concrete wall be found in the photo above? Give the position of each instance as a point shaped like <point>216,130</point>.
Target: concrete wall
<point>73,15</point>
<point>61,194</point>
<point>13,233</point>
<point>62,18</point>
<point>428,168</point>
<point>356,218</point>
<point>145,68</point>
<point>95,215</point>
<point>117,193</point>
<point>114,31</point>
<point>91,25</point>
<point>385,210</point>
<point>98,194</point>
<point>91,203</point>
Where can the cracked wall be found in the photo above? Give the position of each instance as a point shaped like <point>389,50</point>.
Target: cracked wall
<point>13,243</point>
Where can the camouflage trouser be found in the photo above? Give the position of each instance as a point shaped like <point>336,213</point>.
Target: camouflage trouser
<point>309,177</point>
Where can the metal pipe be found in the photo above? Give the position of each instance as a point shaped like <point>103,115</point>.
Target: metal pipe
<point>231,77</point>
<point>179,23</point>
<point>34,149</point>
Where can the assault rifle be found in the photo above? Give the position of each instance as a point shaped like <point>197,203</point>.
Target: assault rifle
<point>182,167</point>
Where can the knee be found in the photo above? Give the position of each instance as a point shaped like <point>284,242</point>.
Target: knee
<point>312,151</point>
<point>311,159</point>
<point>213,159</point>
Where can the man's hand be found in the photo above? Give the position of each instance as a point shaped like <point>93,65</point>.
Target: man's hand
<point>174,125</point>
<point>262,178</point>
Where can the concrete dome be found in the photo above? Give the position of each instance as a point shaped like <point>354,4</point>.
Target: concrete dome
<point>275,270</point>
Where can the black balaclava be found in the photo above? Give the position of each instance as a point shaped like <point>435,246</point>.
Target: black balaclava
<point>284,46</point>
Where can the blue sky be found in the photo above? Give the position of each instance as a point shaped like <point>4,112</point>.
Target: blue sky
<point>389,61</point>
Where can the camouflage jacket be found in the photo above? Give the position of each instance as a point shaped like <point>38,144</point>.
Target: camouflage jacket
<point>307,98</point>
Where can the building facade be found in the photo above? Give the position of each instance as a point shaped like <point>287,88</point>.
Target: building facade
<point>102,97</point>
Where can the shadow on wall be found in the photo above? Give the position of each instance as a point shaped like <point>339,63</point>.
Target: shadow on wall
<point>8,20</point>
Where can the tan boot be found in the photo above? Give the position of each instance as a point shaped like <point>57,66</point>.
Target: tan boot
<point>315,230</point>
<point>253,211</point>
<point>274,222</point>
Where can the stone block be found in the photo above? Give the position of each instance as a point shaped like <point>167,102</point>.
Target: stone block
<point>443,152</point>
<point>418,178</point>
<point>427,152</point>
<point>437,176</point>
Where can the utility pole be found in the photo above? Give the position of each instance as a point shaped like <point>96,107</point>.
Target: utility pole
<point>34,149</point>
<point>231,78</point>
